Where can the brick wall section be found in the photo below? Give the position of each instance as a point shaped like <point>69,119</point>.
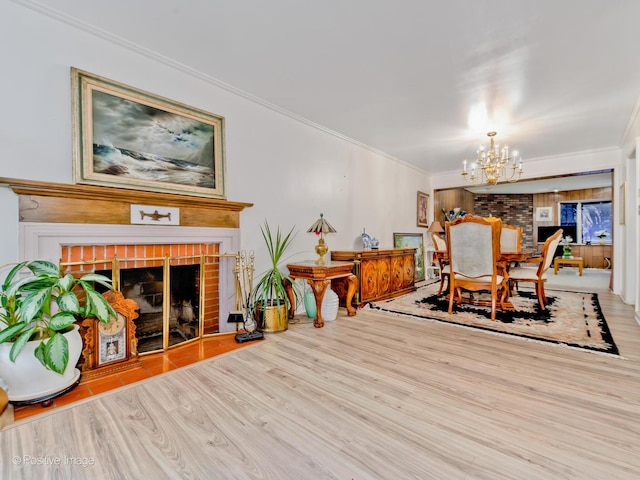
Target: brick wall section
<point>210,315</point>
<point>516,210</point>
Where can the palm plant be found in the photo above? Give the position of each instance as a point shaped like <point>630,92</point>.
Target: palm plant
<point>271,289</point>
<point>44,305</point>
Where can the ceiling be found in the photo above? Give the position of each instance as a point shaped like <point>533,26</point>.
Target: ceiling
<point>422,81</point>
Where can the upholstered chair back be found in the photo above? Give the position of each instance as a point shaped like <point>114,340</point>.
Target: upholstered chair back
<point>439,243</point>
<point>510,239</point>
<point>474,245</point>
<point>549,249</point>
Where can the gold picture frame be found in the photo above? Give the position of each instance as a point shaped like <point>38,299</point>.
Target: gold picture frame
<point>128,138</point>
<point>423,210</point>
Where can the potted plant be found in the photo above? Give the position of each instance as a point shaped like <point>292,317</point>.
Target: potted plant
<point>39,341</point>
<point>269,296</point>
<point>566,249</point>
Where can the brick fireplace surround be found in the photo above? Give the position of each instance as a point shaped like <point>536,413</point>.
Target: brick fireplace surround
<point>141,256</point>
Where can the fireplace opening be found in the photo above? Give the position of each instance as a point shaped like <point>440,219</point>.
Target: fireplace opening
<point>161,324</point>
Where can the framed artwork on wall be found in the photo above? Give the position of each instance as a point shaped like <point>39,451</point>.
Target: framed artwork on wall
<point>544,214</point>
<point>423,209</point>
<point>128,138</point>
<point>412,240</point>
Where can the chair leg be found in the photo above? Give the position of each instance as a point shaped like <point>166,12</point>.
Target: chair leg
<point>494,294</point>
<point>541,297</point>
<point>504,296</point>
<point>441,284</point>
<point>451,294</point>
<point>544,296</point>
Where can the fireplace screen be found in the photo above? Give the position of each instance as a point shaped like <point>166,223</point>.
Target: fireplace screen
<point>168,314</point>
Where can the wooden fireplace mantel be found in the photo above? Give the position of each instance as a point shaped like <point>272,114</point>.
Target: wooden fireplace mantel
<point>73,203</point>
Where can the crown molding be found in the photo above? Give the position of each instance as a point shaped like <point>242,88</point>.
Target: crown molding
<point>145,52</point>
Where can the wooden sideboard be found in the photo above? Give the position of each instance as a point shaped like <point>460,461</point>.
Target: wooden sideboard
<point>381,274</point>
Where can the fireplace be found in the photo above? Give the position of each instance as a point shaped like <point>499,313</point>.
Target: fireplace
<point>99,227</point>
<point>200,256</point>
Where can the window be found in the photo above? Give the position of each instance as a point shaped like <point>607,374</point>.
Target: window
<point>592,219</point>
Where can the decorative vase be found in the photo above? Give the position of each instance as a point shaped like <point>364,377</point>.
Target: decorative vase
<point>310,304</point>
<point>602,241</point>
<point>330,305</point>
<point>566,252</point>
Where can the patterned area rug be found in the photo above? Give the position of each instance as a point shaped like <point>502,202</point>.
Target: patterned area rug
<point>571,318</point>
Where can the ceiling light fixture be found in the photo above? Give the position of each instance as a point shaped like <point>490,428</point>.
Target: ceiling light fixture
<point>493,165</point>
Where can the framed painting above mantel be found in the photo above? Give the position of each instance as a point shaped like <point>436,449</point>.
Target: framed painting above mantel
<point>126,137</point>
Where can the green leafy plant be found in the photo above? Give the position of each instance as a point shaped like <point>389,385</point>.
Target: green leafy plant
<point>45,304</point>
<point>271,290</point>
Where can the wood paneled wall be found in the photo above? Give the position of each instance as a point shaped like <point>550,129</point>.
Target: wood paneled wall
<point>449,199</point>
<point>594,256</point>
<point>552,199</point>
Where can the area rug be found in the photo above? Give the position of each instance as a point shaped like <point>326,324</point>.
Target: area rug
<point>571,318</point>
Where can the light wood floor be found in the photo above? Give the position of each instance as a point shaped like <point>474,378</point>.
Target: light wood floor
<point>365,397</point>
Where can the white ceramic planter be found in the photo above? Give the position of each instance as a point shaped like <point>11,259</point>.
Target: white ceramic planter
<point>28,379</point>
<point>330,304</point>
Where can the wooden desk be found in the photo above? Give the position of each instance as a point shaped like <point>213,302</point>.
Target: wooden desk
<point>319,278</point>
<point>567,261</point>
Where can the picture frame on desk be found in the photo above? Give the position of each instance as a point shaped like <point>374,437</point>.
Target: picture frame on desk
<point>413,240</point>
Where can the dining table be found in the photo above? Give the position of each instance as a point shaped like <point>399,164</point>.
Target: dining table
<point>504,262</point>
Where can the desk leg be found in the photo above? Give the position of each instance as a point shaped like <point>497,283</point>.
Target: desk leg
<point>292,300</point>
<point>351,290</point>
<point>580,266</point>
<point>556,264</point>
<point>319,287</point>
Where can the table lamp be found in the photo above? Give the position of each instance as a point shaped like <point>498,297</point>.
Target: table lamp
<point>320,227</point>
<point>435,227</point>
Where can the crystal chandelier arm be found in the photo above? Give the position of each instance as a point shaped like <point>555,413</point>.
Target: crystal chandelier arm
<point>492,164</point>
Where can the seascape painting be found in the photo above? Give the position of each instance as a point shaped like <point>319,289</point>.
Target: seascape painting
<point>129,138</point>
<point>145,143</point>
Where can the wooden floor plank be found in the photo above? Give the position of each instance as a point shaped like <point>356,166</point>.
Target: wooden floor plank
<point>375,396</point>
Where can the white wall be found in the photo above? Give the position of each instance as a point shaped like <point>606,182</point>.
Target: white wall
<point>631,151</point>
<point>289,169</point>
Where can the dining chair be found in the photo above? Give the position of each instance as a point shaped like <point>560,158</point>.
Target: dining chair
<point>440,245</point>
<point>538,276</point>
<point>511,239</point>
<point>473,244</point>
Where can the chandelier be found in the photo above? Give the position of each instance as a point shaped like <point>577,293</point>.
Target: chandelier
<point>493,165</point>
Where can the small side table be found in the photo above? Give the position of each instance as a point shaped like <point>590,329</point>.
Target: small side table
<point>577,261</point>
<point>319,278</point>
